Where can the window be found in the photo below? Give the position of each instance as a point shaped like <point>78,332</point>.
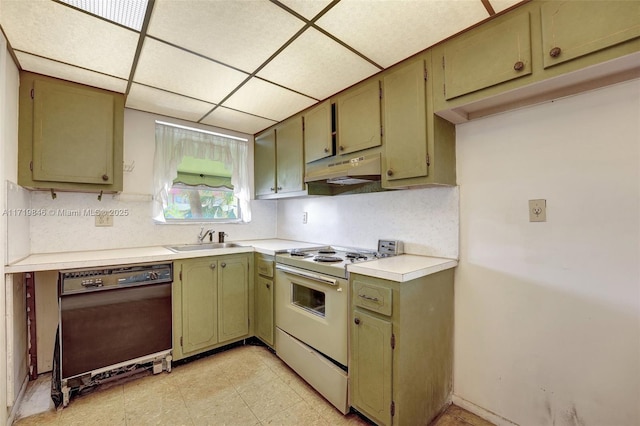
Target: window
<point>199,176</point>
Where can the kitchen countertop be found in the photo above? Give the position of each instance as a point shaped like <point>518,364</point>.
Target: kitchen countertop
<point>399,268</point>
<point>402,268</point>
<point>97,258</point>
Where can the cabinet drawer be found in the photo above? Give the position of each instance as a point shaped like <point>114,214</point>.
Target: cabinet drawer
<point>265,267</point>
<point>372,297</point>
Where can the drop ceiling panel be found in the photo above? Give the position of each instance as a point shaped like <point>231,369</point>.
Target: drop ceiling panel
<point>242,34</point>
<point>236,120</point>
<point>175,70</point>
<point>317,66</point>
<point>67,72</point>
<point>268,100</point>
<point>306,8</point>
<point>58,32</point>
<point>390,31</point>
<point>160,102</point>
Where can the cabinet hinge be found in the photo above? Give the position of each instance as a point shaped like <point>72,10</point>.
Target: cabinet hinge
<point>31,165</point>
<point>180,340</point>
<point>392,409</point>
<point>393,341</point>
<point>426,75</point>
<point>180,280</point>
<point>33,94</point>
<point>443,62</point>
<point>380,92</point>
<point>428,160</point>
<point>381,131</point>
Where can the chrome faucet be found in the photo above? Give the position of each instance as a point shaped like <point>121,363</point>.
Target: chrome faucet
<point>203,234</point>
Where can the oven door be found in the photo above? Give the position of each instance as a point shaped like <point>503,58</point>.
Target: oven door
<point>313,308</point>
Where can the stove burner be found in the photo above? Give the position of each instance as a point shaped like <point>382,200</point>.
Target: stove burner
<point>300,253</point>
<point>354,255</point>
<point>326,251</point>
<point>327,259</point>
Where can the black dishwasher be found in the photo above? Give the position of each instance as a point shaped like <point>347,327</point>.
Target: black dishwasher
<point>112,317</point>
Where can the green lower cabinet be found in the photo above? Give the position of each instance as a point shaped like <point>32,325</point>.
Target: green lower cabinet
<point>264,299</point>
<point>371,366</point>
<point>211,303</point>
<point>401,352</point>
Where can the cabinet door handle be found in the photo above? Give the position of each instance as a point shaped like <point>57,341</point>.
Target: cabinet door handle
<point>357,321</point>
<point>341,148</point>
<point>272,188</point>
<point>518,66</point>
<point>105,177</point>
<point>223,264</point>
<point>268,285</point>
<point>389,172</point>
<point>372,299</point>
<point>555,52</point>
<point>213,266</point>
<point>279,188</point>
<point>326,150</point>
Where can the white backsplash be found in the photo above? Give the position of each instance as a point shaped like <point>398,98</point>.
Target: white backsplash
<point>60,232</point>
<point>425,220</point>
<point>18,222</point>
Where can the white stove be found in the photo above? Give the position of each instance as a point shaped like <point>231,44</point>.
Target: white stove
<point>329,260</point>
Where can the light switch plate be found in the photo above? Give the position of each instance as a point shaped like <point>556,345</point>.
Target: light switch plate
<point>104,219</point>
<point>537,210</point>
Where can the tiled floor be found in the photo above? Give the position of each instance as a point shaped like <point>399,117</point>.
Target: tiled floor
<point>246,385</point>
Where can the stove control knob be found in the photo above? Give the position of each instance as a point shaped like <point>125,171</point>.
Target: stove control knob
<point>357,321</point>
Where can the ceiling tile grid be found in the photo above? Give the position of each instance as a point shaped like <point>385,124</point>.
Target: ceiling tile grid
<point>236,64</point>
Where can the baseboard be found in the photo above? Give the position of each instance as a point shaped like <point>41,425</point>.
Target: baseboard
<point>481,412</point>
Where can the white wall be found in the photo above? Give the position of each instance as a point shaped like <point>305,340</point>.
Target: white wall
<point>547,327</point>
<point>426,220</point>
<point>72,233</point>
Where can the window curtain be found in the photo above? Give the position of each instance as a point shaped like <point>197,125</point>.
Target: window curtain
<point>173,143</point>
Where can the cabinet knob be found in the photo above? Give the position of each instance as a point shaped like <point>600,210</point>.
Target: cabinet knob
<point>389,172</point>
<point>341,148</point>
<point>518,66</point>
<point>272,188</point>
<point>279,188</point>
<point>268,285</point>
<point>105,177</point>
<point>213,266</point>
<point>223,264</point>
<point>357,321</point>
<point>326,150</point>
<point>555,52</point>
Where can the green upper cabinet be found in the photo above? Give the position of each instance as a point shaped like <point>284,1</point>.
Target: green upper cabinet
<point>279,160</point>
<point>289,156</point>
<point>419,148</point>
<point>318,141</point>
<point>265,163</point>
<point>573,29</point>
<point>70,135</point>
<point>358,111</point>
<point>496,53</point>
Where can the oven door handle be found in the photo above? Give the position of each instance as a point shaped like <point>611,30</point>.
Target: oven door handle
<point>316,277</point>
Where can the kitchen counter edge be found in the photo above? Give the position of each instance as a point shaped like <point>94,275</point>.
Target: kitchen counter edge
<point>402,268</point>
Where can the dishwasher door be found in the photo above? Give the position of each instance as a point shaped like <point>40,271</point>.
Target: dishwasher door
<point>104,328</point>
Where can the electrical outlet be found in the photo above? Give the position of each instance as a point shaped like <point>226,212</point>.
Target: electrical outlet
<point>104,219</point>
<point>537,210</point>
<point>304,217</point>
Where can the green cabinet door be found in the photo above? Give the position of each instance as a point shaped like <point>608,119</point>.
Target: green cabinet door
<point>233,297</point>
<point>318,142</point>
<point>199,294</point>
<point>358,112</point>
<point>497,52</point>
<point>371,366</point>
<point>264,309</point>
<point>265,163</point>
<point>571,29</point>
<point>70,135</point>
<point>289,156</point>
<point>405,122</point>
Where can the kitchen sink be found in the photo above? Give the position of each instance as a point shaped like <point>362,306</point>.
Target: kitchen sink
<point>204,246</point>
